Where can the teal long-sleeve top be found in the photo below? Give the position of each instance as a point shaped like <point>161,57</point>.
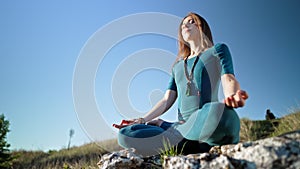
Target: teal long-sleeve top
<point>212,64</point>
<point>205,119</point>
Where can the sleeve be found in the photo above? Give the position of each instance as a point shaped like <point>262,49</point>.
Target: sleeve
<point>225,58</point>
<point>172,84</point>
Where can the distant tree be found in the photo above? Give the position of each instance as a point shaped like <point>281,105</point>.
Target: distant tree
<point>71,133</point>
<point>5,156</point>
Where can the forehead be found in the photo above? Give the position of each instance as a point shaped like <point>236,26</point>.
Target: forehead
<point>186,19</point>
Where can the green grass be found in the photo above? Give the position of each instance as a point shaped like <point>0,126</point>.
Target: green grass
<point>169,149</point>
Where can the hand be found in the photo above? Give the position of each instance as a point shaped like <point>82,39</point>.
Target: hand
<point>125,123</point>
<point>236,100</point>
<point>156,122</point>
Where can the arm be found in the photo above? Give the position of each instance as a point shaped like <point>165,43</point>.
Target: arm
<point>234,96</point>
<point>161,107</point>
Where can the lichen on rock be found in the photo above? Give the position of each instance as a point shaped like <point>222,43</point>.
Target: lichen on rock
<point>123,159</point>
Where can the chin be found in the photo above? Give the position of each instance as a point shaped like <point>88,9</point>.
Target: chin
<point>186,37</point>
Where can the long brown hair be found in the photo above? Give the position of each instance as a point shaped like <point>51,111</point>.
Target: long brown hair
<point>205,35</point>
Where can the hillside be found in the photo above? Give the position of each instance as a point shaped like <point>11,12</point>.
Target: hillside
<point>84,157</point>
<point>259,129</point>
<point>87,156</point>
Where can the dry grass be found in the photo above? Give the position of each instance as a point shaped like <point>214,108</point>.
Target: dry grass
<point>246,133</point>
<point>83,157</point>
<point>289,123</point>
<point>259,129</point>
<point>87,156</point>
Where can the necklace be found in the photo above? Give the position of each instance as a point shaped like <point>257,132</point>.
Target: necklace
<point>190,86</point>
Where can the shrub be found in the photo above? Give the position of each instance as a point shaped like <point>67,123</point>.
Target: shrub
<point>5,156</point>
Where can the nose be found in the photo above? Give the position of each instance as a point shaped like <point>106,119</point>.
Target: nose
<point>184,26</point>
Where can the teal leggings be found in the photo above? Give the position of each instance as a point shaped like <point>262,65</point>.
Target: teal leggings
<point>214,124</point>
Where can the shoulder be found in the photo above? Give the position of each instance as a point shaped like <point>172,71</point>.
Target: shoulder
<point>221,47</point>
<point>221,50</point>
<point>217,49</point>
<point>178,62</point>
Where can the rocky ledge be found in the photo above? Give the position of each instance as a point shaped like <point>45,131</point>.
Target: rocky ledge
<point>276,152</point>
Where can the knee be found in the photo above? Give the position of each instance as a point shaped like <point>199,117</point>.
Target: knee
<point>123,137</point>
<point>130,131</point>
<point>125,131</point>
<point>140,131</point>
<point>231,119</point>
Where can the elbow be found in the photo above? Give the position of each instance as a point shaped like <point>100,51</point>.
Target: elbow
<point>229,78</point>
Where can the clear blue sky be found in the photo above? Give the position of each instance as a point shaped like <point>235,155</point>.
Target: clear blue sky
<point>40,43</point>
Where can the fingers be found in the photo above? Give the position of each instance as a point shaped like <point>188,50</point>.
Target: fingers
<point>119,126</point>
<point>156,122</point>
<point>237,100</point>
<point>116,126</point>
<point>240,101</point>
<point>231,102</point>
<point>125,123</point>
<point>243,94</point>
<point>152,122</point>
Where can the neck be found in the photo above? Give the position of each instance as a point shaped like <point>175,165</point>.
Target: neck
<point>195,47</point>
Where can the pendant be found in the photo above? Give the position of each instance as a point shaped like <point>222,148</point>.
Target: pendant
<point>188,88</point>
<point>191,89</point>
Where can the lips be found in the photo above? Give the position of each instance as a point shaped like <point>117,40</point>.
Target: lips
<point>186,30</point>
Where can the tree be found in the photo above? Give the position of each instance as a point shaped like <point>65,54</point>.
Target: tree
<point>5,156</point>
<point>71,133</point>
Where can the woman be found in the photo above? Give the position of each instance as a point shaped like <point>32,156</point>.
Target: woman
<point>203,121</point>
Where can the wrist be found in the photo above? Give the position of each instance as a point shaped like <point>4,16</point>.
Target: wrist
<point>141,120</point>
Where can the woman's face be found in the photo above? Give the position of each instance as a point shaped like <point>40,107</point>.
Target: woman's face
<point>189,29</point>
